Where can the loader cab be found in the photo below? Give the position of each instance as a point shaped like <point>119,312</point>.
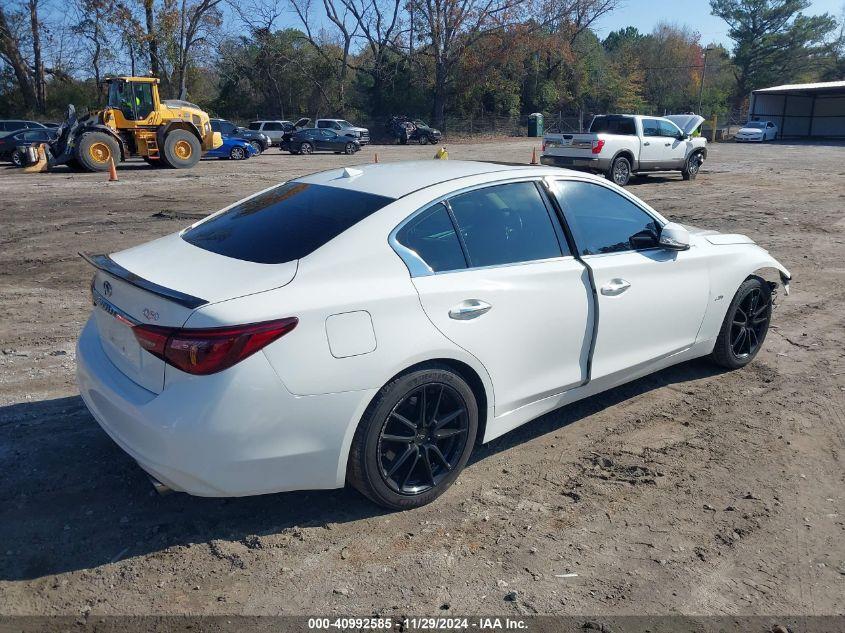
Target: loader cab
<point>133,101</point>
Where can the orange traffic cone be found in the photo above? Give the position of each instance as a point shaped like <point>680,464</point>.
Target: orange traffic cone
<point>375,160</point>
<point>112,171</point>
<point>534,160</point>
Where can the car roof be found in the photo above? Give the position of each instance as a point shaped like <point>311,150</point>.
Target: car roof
<point>271,121</point>
<point>395,180</point>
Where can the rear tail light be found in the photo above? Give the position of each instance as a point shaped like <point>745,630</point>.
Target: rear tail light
<point>597,146</point>
<point>543,146</point>
<point>203,352</point>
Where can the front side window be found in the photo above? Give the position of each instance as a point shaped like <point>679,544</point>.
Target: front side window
<point>667,128</point>
<point>505,224</point>
<point>651,127</point>
<point>602,221</point>
<point>285,223</point>
<point>431,235</point>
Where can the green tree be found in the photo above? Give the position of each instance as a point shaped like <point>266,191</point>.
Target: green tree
<point>774,42</point>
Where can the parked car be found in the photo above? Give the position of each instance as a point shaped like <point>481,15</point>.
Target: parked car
<point>312,140</point>
<point>11,142</point>
<point>370,324</point>
<point>405,129</point>
<point>345,128</point>
<point>233,149</point>
<point>621,145</point>
<point>275,130</point>
<point>757,131</point>
<point>258,140</point>
<point>11,125</point>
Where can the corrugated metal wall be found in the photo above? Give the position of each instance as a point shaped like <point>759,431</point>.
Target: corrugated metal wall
<point>818,115</point>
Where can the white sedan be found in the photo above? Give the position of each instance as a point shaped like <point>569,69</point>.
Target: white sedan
<point>757,131</point>
<point>371,325</point>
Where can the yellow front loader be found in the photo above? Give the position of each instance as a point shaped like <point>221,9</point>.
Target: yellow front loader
<point>135,122</point>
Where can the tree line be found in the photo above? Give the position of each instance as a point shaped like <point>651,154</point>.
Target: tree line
<point>367,59</point>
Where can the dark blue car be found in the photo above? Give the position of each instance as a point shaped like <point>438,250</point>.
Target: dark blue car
<point>233,148</point>
<point>313,140</point>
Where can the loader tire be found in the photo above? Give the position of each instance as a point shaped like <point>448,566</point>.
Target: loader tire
<point>181,149</point>
<point>96,150</point>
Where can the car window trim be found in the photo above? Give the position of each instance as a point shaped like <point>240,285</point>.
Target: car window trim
<point>417,267</point>
<point>550,180</point>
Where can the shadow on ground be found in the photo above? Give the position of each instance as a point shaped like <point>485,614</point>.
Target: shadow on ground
<point>72,500</point>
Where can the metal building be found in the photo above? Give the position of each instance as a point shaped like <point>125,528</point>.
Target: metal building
<point>802,110</point>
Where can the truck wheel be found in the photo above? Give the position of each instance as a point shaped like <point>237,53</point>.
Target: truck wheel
<point>692,166</point>
<point>181,149</point>
<point>620,171</point>
<point>96,150</point>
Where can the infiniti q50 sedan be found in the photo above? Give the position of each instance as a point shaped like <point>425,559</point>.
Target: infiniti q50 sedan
<point>370,325</point>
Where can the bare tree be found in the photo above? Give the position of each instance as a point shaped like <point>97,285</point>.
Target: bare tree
<point>40,78</point>
<point>10,52</point>
<point>197,19</point>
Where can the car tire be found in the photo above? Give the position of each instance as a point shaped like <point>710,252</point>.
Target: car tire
<point>181,149</point>
<point>257,146</point>
<point>745,326</point>
<point>306,148</point>
<point>237,153</point>
<point>17,158</point>
<point>349,149</point>
<point>620,171</point>
<point>692,166</point>
<point>423,140</point>
<point>96,150</point>
<point>380,462</point>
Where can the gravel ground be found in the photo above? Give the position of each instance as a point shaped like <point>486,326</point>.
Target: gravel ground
<point>690,491</point>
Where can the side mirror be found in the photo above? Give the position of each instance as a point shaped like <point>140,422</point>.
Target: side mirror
<point>674,237</point>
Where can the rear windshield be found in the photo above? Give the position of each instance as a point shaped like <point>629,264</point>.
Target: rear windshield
<point>285,223</point>
<point>613,125</point>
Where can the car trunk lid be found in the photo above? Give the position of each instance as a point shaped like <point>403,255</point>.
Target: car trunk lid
<point>161,283</point>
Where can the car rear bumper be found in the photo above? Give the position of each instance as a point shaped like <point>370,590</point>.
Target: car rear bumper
<point>239,432</point>
<point>591,164</point>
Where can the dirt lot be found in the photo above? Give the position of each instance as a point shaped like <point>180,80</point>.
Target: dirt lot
<point>691,491</point>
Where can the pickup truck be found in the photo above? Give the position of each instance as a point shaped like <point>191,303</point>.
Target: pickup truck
<point>361,135</point>
<point>622,145</point>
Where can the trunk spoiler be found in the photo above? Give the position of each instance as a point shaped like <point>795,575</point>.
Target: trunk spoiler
<point>107,264</point>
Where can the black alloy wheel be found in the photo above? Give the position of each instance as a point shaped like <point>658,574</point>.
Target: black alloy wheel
<point>415,437</point>
<point>750,323</point>
<point>423,438</point>
<point>745,326</point>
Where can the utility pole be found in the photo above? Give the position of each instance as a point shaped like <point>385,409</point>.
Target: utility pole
<point>703,71</point>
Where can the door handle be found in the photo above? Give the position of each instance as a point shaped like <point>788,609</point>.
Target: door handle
<point>615,287</point>
<point>646,143</point>
<point>668,144</point>
<point>469,309</point>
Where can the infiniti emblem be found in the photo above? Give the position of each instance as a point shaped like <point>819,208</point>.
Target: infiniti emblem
<point>107,288</point>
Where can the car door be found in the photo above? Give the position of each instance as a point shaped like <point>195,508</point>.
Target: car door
<point>504,287</point>
<point>651,150</point>
<point>674,145</point>
<point>651,301</point>
<point>327,140</point>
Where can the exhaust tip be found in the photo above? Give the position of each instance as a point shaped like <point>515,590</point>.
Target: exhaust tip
<point>160,488</point>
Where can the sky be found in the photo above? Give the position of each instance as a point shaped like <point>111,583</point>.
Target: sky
<point>646,14</point>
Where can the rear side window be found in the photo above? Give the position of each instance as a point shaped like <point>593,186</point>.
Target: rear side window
<point>273,126</point>
<point>255,126</point>
<point>505,224</point>
<point>602,221</point>
<point>322,124</point>
<point>284,224</point>
<point>431,235</point>
<point>613,125</point>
